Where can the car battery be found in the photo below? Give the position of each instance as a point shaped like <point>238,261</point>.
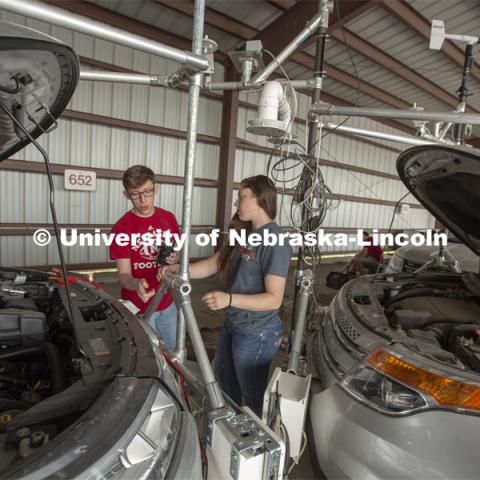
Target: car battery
<point>241,447</point>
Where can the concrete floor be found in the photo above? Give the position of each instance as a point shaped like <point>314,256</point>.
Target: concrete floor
<point>211,322</point>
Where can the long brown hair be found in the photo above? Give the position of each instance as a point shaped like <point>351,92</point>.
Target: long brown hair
<point>266,194</point>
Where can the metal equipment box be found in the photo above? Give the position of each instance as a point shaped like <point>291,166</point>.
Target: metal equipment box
<point>241,447</point>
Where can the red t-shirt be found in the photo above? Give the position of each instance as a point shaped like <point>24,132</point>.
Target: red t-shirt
<point>143,257</point>
<point>374,251</point>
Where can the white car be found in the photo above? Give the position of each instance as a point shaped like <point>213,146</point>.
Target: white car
<point>396,358</point>
<point>409,259</point>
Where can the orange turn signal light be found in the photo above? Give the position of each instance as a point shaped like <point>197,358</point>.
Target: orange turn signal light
<point>444,390</point>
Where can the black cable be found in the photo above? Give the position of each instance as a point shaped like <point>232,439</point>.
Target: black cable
<point>357,76</point>
<point>52,203</point>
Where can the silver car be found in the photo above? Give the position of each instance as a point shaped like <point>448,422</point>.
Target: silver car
<point>409,258</point>
<point>85,391</point>
<point>397,357</point>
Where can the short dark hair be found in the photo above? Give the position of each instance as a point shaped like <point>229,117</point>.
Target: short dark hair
<point>136,176</point>
<point>366,233</point>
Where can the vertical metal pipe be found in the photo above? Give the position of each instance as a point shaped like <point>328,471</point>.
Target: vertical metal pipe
<point>463,90</point>
<point>301,308</point>
<point>193,102</point>
<point>312,128</point>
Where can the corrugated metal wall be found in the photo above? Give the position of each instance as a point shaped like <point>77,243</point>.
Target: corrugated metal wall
<point>24,196</point>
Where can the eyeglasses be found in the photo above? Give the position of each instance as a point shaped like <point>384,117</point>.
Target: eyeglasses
<point>137,195</point>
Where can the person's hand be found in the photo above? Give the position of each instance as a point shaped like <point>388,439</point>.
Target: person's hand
<point>167,269</point>
<point>216,300</point>
<point>144,291</point>
<point>173,258</point>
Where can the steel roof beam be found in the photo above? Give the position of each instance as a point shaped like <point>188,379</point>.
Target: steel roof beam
<point>414,20</point>
<point>213,18</point>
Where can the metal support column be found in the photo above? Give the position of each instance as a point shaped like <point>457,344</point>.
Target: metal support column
<point>318,75</point>
<point>300,313</point>
<point>193,102</point>
<point>228,140</point>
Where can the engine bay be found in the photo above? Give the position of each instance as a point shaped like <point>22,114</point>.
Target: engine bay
<point>52,366</point>
<point>439,312</point>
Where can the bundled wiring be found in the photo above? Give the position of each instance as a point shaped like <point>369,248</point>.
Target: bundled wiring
<point>180,377</point>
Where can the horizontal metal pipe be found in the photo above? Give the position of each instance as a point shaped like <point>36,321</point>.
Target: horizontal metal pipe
<point>381,135</point>
<point>327,109</point>
<point>62,18</point>
<point>116,77</point>
<point>232,86</point>
<point>304,84</point>
<point>308,31</point>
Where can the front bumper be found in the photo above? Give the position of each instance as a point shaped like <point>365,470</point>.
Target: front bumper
<point>186,464</point>
<point>354,441</point>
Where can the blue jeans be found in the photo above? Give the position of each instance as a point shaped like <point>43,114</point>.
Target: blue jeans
<point>243,359</point>
<point>164,324</point>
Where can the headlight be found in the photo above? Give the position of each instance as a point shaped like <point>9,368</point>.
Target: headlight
<point>381,392</point>
<point>392,385</point>
<point>395,265</point>
<point>147,446</point>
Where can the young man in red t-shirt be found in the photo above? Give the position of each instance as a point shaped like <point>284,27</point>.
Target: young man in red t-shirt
<point>368,258</point>
<point>137,261</point>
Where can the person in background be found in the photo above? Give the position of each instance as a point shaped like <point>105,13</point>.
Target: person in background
<point>137,263</point>
<point>368,259</point>
<point>255,285</point>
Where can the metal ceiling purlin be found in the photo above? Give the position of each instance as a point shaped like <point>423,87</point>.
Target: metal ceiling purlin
<point>284,5</point>
<point>410,17</point>
<point>381,58</point>
<point>212,18</point>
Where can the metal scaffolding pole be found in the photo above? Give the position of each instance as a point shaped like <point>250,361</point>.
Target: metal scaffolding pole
<point>313,133</point>
<point>181,289</point>
<point>130,78</point>
<point>301,309</point>
<point>381,135</point>
<point>304,84</point>
<point>328,109</point>
<point>307,32</point>
<point>62,18</point>
<point>193,102</point>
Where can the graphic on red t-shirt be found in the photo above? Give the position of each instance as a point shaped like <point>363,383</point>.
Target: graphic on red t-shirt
<point>142,254</point>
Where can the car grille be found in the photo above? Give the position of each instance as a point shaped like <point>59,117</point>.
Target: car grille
<point>348,329</point>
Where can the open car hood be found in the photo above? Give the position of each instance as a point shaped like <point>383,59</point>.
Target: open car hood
<point>446,181</point>
<point>38,75</point>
